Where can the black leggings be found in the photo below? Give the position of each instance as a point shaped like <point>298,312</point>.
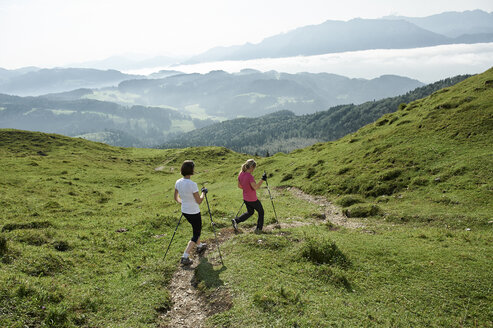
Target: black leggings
<point>251,206</point>
<point>196,222</point>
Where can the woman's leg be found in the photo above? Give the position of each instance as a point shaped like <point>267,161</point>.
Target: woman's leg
<point>196,221</point>
<point>191,245</point>
<point>257,205</point>
<point>247,214</point>
<point>189,248</point>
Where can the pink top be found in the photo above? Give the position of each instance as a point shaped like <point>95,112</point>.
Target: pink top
<point>245,179</point>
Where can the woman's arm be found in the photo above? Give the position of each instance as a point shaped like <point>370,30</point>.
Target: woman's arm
<point>257,185</point>
<point>177,197</point>
<point>198,198</point>
<point>239,185</point>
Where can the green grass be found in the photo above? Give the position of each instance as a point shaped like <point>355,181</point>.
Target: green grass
<point>63,263</point>
<point>394,277</point>
<point>81,225</point>
<point>60,214</point>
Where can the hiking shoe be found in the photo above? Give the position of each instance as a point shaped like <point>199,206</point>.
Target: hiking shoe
<point>202,248</point>
<point>185,261</point>
<point>258,231</point>
<point>235,225</point>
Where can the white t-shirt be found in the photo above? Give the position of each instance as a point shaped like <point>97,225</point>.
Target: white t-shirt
<point>186,188</point>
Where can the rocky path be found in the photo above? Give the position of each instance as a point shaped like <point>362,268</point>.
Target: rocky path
<point>187,309</point>
<point>190,307</point>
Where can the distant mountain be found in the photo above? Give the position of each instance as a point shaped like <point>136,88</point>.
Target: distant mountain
<point>362,34</point>
<point>6,74</point>
<point>252,93</point>
<point>42,81</point>
<point>284,131</point>
<point>454,24</point>
<point>130,62</point>
<point>163,74</point>
<point>69,95</point>
<point>135,126</point>
<point>148,112</point>
<point>330,37</point>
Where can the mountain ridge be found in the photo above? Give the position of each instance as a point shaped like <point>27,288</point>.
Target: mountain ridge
<point>454,24</point>
<point>361,34</point>
<point>35,82</point>
<point>253,93</point>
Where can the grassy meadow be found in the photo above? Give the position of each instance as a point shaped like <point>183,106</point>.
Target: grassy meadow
<point>84,227</point>
<point>431,161</point>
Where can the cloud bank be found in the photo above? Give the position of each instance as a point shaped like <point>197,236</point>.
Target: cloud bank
<point>427,65</point>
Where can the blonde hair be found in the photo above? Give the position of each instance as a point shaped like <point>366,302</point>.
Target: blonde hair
<point>247,165</point>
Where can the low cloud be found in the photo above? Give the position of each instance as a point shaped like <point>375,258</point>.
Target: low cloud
<point>425,64</point>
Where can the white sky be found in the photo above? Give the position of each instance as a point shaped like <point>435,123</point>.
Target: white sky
<point>49,33</point>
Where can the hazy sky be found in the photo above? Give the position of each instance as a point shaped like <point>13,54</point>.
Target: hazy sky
<point>50,33</point>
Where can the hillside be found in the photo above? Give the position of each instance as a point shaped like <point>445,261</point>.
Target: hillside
<point>434,153</point>
<point>284,131</point>
<point>84,227</point>
<point>251,93</point>
<point>362,34</point>
<point>64,113</point>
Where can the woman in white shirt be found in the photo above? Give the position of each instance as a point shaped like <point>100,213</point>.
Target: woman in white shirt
<point>187,194</point>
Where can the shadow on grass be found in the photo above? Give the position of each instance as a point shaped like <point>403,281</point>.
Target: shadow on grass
<point>206,274</point>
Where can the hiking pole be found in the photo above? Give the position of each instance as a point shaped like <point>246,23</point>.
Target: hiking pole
<point>172,237</point>
<point>204,190</point>
<point>267,184</point>
<point>242,203</point>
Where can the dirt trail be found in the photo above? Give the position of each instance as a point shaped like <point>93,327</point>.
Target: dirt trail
<point>187,309</point>
<point>191,307</point>
<point>331,212</point>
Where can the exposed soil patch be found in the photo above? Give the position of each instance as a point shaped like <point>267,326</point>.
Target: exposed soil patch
<point>163,166</point>
<point>331,212</point>
<point>193,297</point>
<point>187,309</point>
<point>286,223</point>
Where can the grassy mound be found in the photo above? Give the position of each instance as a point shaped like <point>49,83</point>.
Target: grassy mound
<point>430,161</point>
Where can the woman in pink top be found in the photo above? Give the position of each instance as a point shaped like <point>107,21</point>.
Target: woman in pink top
<point>246,181</point>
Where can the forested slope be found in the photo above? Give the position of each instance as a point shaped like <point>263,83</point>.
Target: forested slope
<point>284,131</point>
